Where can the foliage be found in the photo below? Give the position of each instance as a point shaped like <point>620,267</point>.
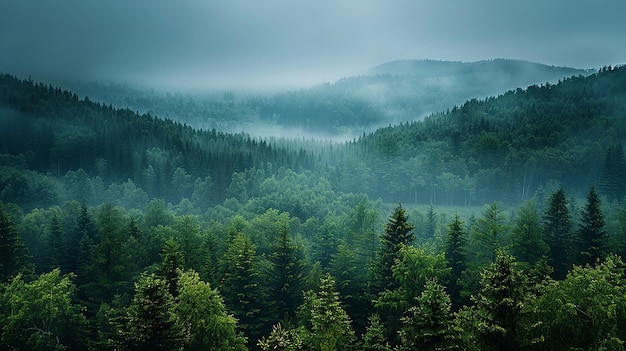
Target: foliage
<point>490,233</point>
<point>557,233</point>
<point>330,325</point>
<point>151,321</point>
<point>428,324</point>
<point>586,310</point>
<point>13,257</point>
<point>42,314</point>
<point>592,238</point>
<point>527,242</point>
<point>201,311</point>
<point>398,231</point>
<point>285,276</point>
<point>499,305</point>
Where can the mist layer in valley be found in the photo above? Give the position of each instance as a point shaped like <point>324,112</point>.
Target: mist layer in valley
<point>387,94</point>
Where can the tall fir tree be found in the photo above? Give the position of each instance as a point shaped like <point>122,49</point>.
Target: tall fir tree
<point>331,328</point>
<point>374,337</point>
<point>398,231</point>
<point>172,262</point>
<point>56,244</point>
<point>428,324</point>
<point>13,252</point>
<point>151,319</point>
<point>499,305</point>
<point>240,288</point>
<point>285,275</point>
<point>490,233</point>
<point>592,239</point>
<point>456,255</point>
<point>527,242</point>
<point>557,229</point>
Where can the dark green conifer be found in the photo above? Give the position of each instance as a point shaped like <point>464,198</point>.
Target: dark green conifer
<point>592,240</point>
<point>556,232</point>
<point>398,231</point>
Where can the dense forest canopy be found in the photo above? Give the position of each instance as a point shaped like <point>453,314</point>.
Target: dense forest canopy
<point>121,230</point>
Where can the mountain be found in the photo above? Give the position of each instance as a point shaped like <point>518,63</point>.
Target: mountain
<point>48,134</point>
<point>401,91</point>
<point>506,148</point>
<point>387,94</point>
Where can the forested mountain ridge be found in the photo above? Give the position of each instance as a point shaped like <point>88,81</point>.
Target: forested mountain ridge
<point>386,94</point>
<point>402,91</point>
<point>506,148</point>
<point>51,131</point>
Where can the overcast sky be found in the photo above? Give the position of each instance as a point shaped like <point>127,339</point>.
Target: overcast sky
<point>234,43</point>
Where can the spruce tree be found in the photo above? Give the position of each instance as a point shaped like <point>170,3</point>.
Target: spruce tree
<point>490,232</point>
<point>151,320</point>
<point>527,237</point>
<point>374,336</point>
<point>13,253</point>
<point>499,305</point>
<point>57,250</point>
<point>428,324</point>
<point>331,328</point>
<point>398,231</point>
<point>456,255</point>
<point>285,275</point>
<point>171,263</point>
<point>592,240</point>
<point>240,287</point>
<point>556,232</point>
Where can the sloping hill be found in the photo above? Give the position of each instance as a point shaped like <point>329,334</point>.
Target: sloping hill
<point>49,131</point>
<point>402,91</point>
<point>507,148</point>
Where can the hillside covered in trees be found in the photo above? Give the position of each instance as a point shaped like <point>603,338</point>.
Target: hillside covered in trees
<point>386,94</point>
<point>123,231</point>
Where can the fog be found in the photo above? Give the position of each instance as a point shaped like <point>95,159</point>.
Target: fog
<point>197,44</point>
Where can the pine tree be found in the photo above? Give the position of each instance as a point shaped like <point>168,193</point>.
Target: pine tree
<point>57,250</point>
<point>527,236</point>
<point>455,255</point>
<point>151,320</point>
<point>592,243</point>
<point>171,263</point>
<point>13,253</point>
<point>374,336</point>
<point>556,232</point>
<point>240,288</point>
<point>428,324</point>
<point>331,327</point>
<point>397,232</point>
<point>499,304</point>
<point>285,276</point>
<point>490,232</point>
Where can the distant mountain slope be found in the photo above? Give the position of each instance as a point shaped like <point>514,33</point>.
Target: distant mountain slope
<point>403,91</point>
<point>47,130</point>
<point>507,147</point>
<point>386,94</point>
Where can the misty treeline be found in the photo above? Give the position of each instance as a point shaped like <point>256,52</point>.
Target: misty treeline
<point>389,93</point>
<point>124,231</point>
<point>510,148</point>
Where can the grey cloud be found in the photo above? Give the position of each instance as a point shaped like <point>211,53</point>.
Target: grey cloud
<point>249,42</point>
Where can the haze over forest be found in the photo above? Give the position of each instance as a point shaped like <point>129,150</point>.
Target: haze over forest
<point>285,175</point>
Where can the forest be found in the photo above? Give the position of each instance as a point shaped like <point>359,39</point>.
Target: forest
<point>498,224</point>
